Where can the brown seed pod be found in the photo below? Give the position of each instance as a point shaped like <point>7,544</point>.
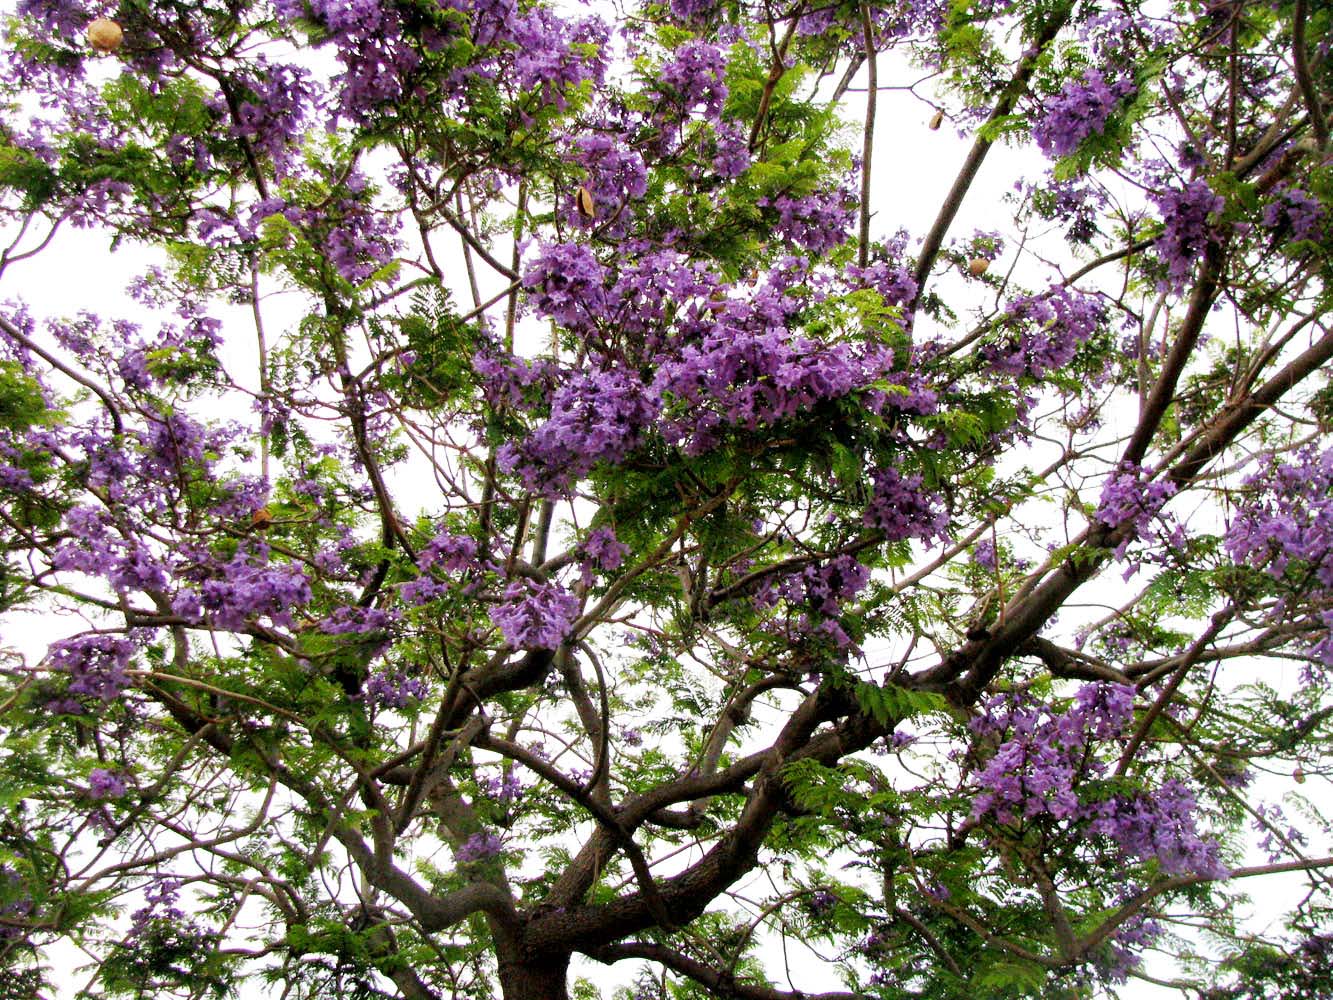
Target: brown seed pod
<point>583,201</point>
<point>936,121</point>
<point>105,35</point>
<point>1298,775</point>
<point>261,519</point>
<point>977,266</point>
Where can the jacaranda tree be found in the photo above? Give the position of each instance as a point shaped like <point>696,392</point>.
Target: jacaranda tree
<point>541,512</point>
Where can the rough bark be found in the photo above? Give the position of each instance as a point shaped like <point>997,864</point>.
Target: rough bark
<point>540,978</point>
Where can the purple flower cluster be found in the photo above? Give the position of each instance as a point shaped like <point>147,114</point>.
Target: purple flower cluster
<point>889,21</point>
<point>614,176</point>
<point>748,371</point>
<point>1033,772</point>
<point>18,905</point>
<point>96,665</point>
<point>1045,757</point>
<point>901,509</point>
<point>601,550</point>
<point>731,150</point>
<point>693,78</point>
<point>446,553</point>
<point>1284,523</point>
<point>893,280</point>
<point>815,598</point>
<point>723,356</point>
<point>692,11</point>
<point>369,41</point>
<point>359,241</point>
<point>277,100</point>
<point>821,901</point>
<point>1293,210</point>
<point>1075,202</point>
<point>478,847</point>
<point>535,615</point>
<point>1187,231</point>
<point>1121,953</point>
<point>248,585</point>
<point>662,288</point>
<point>383,50</point>
<point>160,903</point>
<point>506,379</point>
<point>449,552</point>
<point>1128,498</point>
<point>822,587</point>
<point>355,620</point>
<point>596,416</point>
<point>106,784</point>
<point>503,789</point>
<point>815,222</point>
<point>1079,111</point>
<point>393,689</point>
<point>1158,825</point>
<point>566,283</point>
<point>94,549</point>
<point>1044,331</point>
<point>551,54</point>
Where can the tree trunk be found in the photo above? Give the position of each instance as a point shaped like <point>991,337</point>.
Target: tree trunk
<point>542,979</point>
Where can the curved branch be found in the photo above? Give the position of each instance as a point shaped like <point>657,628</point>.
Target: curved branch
<point>718,983</point>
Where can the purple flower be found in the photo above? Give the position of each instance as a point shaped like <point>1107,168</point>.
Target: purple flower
<point>1081,110</point>
<point>602,550</point>
<point>815,222</point>
<point>901,509</point>
<point>1283,525</point>
<point>1037,769</point>
<point>693,77</point>
<point>823,587</point>
<point>1127,498</point>
<point>1187,231</point>
<point>393,689</point>
<point>821,901</point>
<point>449,552</point>
<point>691,11</point>
<point>731,156</point>
<point>535,615</point>
<point>602,547</point>
<point>596,416</point>
<point>355,620</point>
<point>1043,331</point>
<point>105,784</point>
<point>478,847</point>
<point>1295,212</point>
<point>249,586</point>
<point>96,665</point>
<point>566,283</point>
<point>504,789</point>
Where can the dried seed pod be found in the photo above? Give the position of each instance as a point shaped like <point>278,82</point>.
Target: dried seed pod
<point>261,519</point>
<point>583,201</point>
<point>936,121</point>
<point>105,35</point>
<point>977,266</point>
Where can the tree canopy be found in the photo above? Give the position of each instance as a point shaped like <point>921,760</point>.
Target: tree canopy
<point>542,509</point>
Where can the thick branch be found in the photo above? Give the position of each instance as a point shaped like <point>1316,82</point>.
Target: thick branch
<point>718,983</point>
